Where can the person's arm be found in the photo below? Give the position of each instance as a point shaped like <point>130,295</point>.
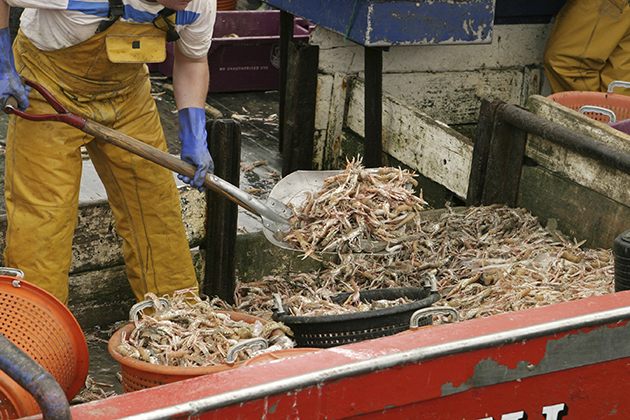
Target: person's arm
<point>190,80</point>
<point>190,85</point>
<point>10,82</point>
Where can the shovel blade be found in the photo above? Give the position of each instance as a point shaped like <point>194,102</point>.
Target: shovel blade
<point>292,190</point>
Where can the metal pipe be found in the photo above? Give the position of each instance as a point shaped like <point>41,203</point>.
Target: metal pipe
<point>576,142</point>
<point>335,373</point>
<point>31,376</point>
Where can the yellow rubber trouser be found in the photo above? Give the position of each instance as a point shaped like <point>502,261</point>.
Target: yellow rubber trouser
<point>589,46</point>
<point>43,171</point>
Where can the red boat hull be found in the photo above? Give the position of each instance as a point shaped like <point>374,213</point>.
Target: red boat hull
<point>565,361</point>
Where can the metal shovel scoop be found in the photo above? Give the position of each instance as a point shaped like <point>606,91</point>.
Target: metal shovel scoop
<point>274,214</point>
<point>292,189</point>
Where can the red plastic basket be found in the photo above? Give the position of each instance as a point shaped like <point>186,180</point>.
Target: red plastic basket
<point>619,104</point>
<point>45,329</point>
<point>138,374</point>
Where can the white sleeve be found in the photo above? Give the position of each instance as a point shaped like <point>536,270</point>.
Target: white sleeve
<point>196,36</point>
<point>58,4</point>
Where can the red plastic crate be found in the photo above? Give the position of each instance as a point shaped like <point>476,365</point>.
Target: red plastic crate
<point>245,51</point>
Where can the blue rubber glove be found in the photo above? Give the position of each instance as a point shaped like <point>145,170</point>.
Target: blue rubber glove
<point>194,140</point>
<point>10,81</point>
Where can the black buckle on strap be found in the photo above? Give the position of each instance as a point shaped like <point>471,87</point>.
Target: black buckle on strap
<point>116,10</point>
<point>164,21</point>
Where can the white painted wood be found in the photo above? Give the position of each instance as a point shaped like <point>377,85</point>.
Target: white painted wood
<point>324,100</point>
<point>513,46</point>
<point>322,107</point>
<point>585,171</point>
<point>319,149</point>
<point>569,118</point>
<point>426,145</point>
<point>336,114</point>
<point>446,82</point>
<point>454,97</point>
<point>329,114</point>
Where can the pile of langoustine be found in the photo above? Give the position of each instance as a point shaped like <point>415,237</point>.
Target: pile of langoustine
<point>189,332</point>
<point>485,260</point>
<point>358,210</point>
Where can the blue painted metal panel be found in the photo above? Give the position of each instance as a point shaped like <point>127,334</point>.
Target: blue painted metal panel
<point>383,23</point>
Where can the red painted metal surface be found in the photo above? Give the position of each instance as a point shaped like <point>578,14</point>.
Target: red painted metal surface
<point>565,361</point>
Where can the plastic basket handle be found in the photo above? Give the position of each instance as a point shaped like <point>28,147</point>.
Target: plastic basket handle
<point>618,83</point>
<point>431,281</point>
<point>230,358</point>
<point>135,309</point>
<point>592,108</point>
<point>277,301</point>
<point>421,313</point>
<point>12,272</point>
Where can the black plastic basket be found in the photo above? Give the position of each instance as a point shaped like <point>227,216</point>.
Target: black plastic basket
<point>336,330</point>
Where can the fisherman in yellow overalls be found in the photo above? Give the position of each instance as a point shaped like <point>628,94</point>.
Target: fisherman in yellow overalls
<point>91,56</point>
<point>589,46</point>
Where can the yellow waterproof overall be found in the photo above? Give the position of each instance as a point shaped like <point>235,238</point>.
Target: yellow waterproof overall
<point>43,170</point>
<point>589,46</point>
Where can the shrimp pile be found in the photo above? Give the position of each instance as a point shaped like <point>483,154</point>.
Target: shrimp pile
<point>304,306</point>
<point>194,335</point>
<point>357,211</point>
<point>485,261</point>
<point>92,391</point>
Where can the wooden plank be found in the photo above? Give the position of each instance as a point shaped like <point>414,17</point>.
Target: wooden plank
<point>102,297</point>
<point>286,36</point>
<point>569,118</point>
<point>329,120</point>
<point>481,151</point>
<point>220,274</point>
<point>373,139</point>
<point>301,98</point>
<point>581,212</point>
<point>453,97</point>
<point>322,112</point>
<point>424,144</point>
<point>585,171</point>
<point>517,47</point>
<point>256,258</point>
<point>505,158</point>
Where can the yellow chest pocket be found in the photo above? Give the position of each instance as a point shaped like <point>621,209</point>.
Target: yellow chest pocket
<point>136,48</point>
